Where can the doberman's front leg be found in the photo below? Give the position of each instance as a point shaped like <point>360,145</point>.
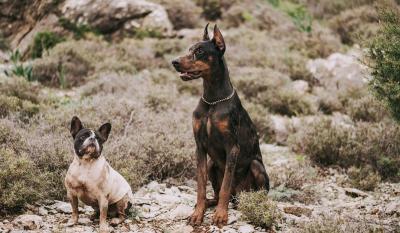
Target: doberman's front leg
<point>221,212</point>
<point>198,214</point>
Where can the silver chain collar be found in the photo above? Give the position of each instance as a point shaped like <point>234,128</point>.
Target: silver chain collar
<point>218,101</point>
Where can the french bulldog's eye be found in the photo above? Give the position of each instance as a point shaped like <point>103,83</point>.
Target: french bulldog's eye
<point>82,137</point>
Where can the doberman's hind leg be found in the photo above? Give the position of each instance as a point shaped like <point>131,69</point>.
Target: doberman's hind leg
<point>216,181</point>
<point>260,176</point>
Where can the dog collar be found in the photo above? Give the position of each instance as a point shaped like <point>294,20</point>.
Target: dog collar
<point>218,101</point>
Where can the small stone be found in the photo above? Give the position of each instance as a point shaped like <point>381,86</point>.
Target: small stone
<point>153,186</point>
<point>352,192</point>
<point>62,207</point>
<point>42,211</point>
<point>181,212</point>
<point>28,221</point>
<point>232,219</point>
<point>297,211</point>
<point>246,229</point>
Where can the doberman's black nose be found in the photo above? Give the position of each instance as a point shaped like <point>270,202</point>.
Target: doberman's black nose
<point>175,63</point>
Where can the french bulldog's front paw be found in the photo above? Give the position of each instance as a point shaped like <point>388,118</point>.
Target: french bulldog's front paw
<point>197,217</point>
<point>72,221</point>
<point>220,217</point>
<point>104,228</point>
<point>115,221</point>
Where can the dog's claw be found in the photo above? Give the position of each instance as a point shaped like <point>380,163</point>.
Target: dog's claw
<point>220,217</point>
<point>196,218</point>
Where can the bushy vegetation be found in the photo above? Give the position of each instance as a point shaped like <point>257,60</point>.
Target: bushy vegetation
<point>258,209</point>
<point>131,83</point>
<point>43,42</point>
<point>384,53</point>
<point>362,144</point>
<point>20,180</point>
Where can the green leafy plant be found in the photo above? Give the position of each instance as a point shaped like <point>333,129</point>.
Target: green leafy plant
<point>44,41</point>
<point>301,18</point>
<point>385,61</point>
<point>18,68</point>
<point>79,30</point>
<point>258,209</point>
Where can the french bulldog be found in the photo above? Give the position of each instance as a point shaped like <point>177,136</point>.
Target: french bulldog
<point>92,180</point>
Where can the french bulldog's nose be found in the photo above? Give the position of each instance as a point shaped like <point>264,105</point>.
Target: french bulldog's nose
<point>175,63</point>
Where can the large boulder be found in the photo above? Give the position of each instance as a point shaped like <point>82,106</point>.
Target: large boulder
<point>108,16</point>
<point>340,71</point>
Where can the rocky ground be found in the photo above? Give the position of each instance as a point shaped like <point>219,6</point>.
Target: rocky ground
<point>165,207</point>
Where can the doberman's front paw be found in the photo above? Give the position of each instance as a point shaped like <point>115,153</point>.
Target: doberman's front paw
<point>197,217</point>
<point>220,217</point>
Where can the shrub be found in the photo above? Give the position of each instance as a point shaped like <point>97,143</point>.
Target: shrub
<point>356,25</point>
<point>20,181</point>
<point>211,9</point>
<point>287,102</point>
<point>338,224</point>
<point>329,143</point>
<point>44,41</point>
<point>79,30</point>
<point>183,14</point>
<point>63,70</point>
<point>384,53</point>
<point>365,178</point>
<point>9,104</point>
<point>258,209</point>
<point>367,108</point>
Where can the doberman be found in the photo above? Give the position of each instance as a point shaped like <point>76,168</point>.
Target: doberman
<point>222,129</point>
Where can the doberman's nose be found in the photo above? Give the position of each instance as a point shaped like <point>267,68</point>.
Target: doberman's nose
<point>175,63</point>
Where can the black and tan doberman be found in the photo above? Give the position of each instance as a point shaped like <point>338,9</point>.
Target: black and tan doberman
<point>222,129</point>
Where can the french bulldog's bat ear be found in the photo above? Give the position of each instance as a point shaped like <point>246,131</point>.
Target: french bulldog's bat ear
<point>218,40</point>
<point>105,130</point>
<point>205,35</point>
<point>76,126</point>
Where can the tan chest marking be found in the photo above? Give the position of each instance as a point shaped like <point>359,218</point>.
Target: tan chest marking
<point>196,125</point>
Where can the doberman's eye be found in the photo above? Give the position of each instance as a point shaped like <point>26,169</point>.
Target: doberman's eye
<point>199,52</point>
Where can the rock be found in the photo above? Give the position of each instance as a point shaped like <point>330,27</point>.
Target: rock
<point>280,128</point>
<point>182,228</point>
<point>62,207</point>
<point>181,212</point>
<point>297,211</point>
<point>42,211</point>
<point>110,16</point>
<point>24,39</point>
<point>340,71</point>
<point>28,221</point>
<point>300,86</point>
<point>393,208</point>
<point>352,192</point>
<point>246,229</point>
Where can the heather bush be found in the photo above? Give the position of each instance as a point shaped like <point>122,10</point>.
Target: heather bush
<point>258,209</point>
<point>365,178</point>
<point>20,181</point>
<point>356,25</point>
<point>332,143</point>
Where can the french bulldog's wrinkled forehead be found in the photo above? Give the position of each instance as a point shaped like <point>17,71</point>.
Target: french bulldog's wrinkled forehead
<point>85,133</point>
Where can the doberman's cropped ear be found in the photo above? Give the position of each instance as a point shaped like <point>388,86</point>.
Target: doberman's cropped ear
<point>205,35</point>
<point>76,126</point>
<point>104,131</point>
<point>218,40</point>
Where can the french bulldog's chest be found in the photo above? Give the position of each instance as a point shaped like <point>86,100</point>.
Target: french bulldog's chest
<point>85,180</point>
